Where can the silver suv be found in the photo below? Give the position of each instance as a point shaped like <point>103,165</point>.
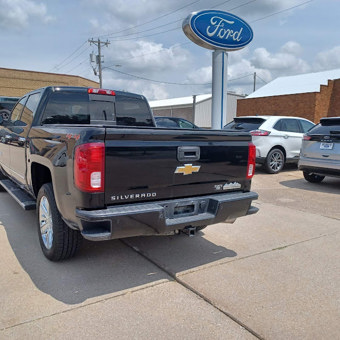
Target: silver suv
<point>277,138</point>
<point>320,151</point>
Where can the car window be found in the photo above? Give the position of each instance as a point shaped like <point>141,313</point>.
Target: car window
<point>305,125</point>
<point>69,107</point>
<point>29,110</point>
<point>166,122</point>
<point>16,113</point>
<point>287,125</point>
<point>184,124</point>
<point>245,124</point>
<point>132,111</point>
<point>325,127</point>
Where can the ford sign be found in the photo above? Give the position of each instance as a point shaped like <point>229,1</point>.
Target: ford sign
<point>215,30</point>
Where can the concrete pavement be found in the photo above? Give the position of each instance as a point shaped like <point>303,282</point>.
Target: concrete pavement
<point>273,275</point>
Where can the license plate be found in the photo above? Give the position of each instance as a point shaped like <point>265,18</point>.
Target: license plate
<point>326,146</point>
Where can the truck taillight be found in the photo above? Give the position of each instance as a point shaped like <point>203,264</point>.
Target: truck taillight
<point>89,167</point>
<point>251,160</point>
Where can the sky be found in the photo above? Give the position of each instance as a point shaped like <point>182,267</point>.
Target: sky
<point>147,51</point>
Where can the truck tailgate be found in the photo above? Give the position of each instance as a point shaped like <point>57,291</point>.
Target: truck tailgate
<point>154,164</point>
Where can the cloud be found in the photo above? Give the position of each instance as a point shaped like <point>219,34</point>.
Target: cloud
<point>284,62</point>
<point>17,14</point>
<point>328,60</point>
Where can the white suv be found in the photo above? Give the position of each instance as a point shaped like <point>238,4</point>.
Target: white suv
<point>277,138</point>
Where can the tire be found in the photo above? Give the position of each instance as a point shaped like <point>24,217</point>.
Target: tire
<point>58,242</point>
<point>275,161</point>
<point>5,114</point>
<point>2,176</point>
<point>310,177</point>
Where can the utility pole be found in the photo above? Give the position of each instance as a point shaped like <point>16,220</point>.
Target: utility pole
<point>98,60</point>
<point>254,82</point>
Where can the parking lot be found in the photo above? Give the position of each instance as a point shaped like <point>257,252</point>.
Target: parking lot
<point>273,275</point>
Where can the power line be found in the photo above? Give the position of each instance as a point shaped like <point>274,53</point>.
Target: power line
<point>58,65</point>
<point>155,81</point>
<point>284,10</point>
<point>123,37</point>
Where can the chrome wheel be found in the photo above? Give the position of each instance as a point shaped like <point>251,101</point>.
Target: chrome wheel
<point>45,222</point>
<point>275,161</point>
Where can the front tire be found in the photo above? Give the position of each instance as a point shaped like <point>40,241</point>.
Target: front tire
<point>312,178</point>
<point>275,161</point>
<point>58,242</point>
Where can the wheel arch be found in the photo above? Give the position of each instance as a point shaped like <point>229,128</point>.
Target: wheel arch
<point>280,147</point>
<point>40,175</point>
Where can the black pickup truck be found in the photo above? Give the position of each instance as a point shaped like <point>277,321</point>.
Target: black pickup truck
<point>93,164</point>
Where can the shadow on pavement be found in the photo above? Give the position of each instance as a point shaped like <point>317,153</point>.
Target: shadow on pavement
<point>329,185</point>
<point>99,268</point>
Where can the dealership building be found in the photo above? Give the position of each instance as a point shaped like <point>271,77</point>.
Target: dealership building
<point>311,96</point>
<point>196,109</point>
<point>15,83</point>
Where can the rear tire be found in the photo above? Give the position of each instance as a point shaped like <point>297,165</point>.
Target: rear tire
<point>2,176</point>
<point>58,242</point>
<point>275,161</point>
<point>312,178</point>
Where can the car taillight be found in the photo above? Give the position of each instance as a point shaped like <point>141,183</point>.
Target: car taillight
<point>251,160</point>
<point>101,91</point>
<point>260,133</point>
<point>306,137</point>
<point>89,167</point>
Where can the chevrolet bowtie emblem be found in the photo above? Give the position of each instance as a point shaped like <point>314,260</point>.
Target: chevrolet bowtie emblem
<point>187,169</point>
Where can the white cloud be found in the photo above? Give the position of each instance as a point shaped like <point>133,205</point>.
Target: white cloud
<point>283,62</point>
<point>292,47</point>
<point>17,14</point>
<point>328,60</point>
<point>201,76</point>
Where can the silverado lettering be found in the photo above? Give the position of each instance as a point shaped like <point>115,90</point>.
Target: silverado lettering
<point>94,165</point>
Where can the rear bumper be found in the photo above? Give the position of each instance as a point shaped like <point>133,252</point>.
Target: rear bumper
<point>164,217</point>
<point>324,167</point>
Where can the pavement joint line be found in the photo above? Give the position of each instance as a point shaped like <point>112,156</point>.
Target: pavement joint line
<point>223,262</point>
<point>126,292</point>
<point>193,290</point>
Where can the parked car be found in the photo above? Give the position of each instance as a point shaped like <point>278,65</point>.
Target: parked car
<point>174,123</point>
<point>6,106</point>
<point>320,151</point>
<point>277,138</point>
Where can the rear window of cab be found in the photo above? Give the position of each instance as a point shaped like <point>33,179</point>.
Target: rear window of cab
<point>70,107</point>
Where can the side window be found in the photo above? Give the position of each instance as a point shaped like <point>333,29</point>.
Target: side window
<point>166,122</point>
<point>185,124</point>
<point>306,126</point>
<point>287,125</point>
<point>29,110</point>
<point>16,113</point>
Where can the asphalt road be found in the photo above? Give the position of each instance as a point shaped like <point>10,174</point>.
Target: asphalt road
<point>273,275</point>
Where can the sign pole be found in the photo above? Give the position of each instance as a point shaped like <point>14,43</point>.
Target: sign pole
<point>219,88</point>
<point>218,31</point>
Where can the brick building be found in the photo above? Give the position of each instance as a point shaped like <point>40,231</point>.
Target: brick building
<point>311,96</point>
<point>15,83</point>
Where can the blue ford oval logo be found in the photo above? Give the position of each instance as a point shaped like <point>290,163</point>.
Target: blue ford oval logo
<point>214,29</point>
